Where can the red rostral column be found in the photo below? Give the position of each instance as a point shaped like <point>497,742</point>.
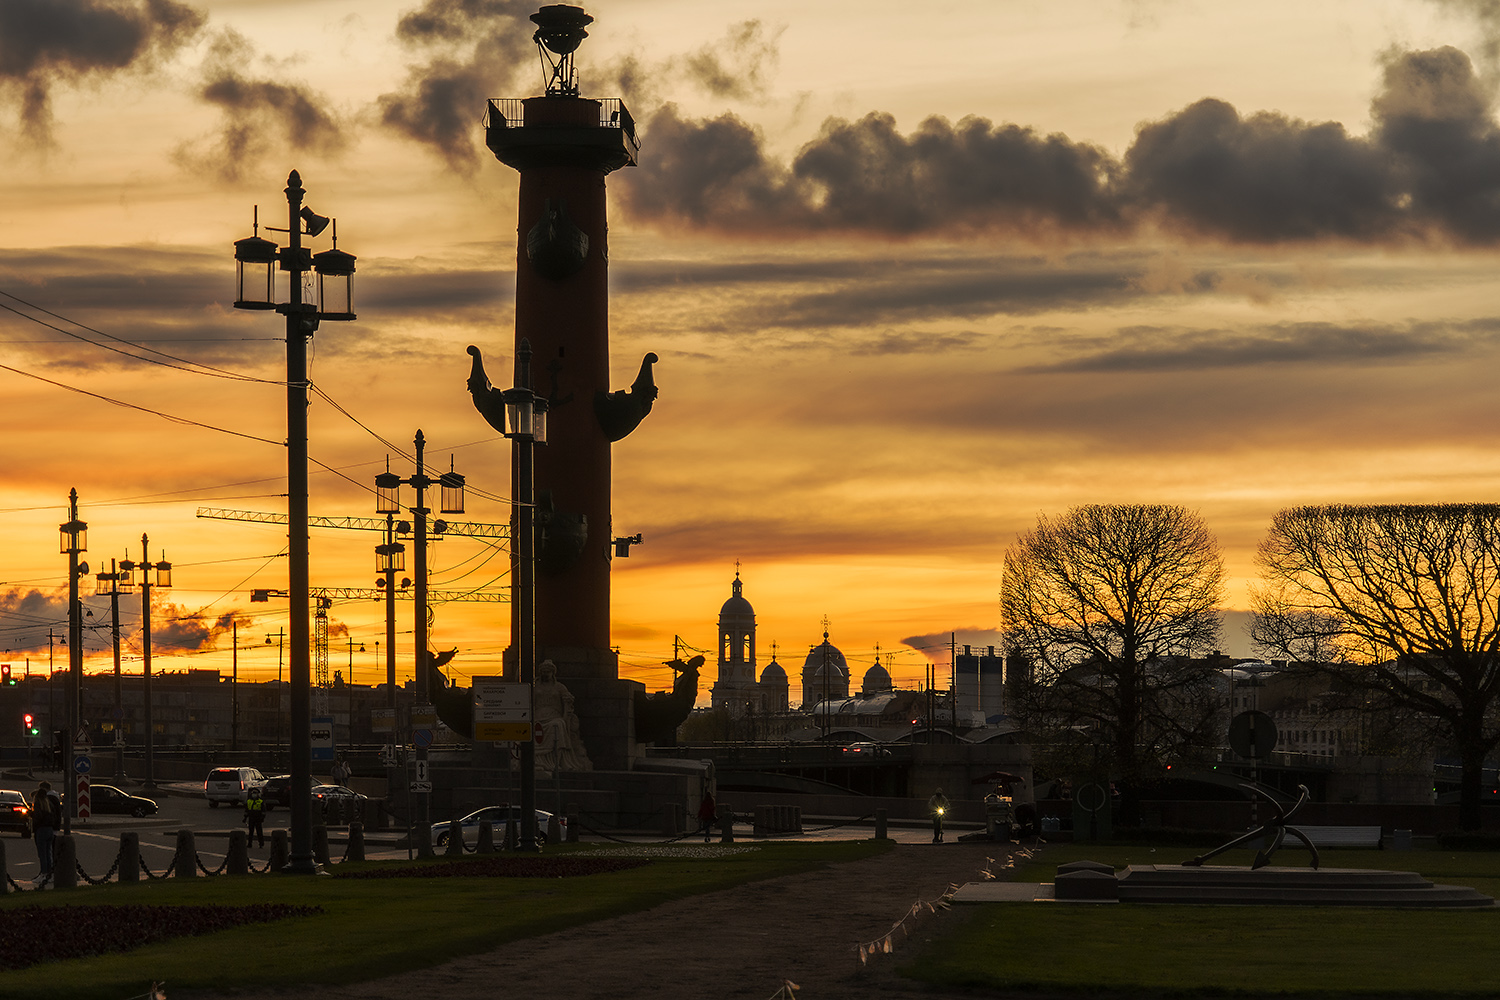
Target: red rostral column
<point>564,145</point>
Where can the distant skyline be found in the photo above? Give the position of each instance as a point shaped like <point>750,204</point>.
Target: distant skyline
<point>915,276</point>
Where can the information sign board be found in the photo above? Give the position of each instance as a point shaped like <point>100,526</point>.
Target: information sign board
<point>322,738</point>
<point>502,710</point>
<point>423,717</point>
<point>383,720</point>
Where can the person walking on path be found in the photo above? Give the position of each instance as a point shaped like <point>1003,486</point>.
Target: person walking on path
<point>706,814</point>
<point>937,805</point>
<point>340,772</point>
<point>255,815</point>
<point>46,818</point>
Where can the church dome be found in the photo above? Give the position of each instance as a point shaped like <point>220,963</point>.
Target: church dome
<point>835,660</point>
<point>877,681</point>
<point>774,674</point>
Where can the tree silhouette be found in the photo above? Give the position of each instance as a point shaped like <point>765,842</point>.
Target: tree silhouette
<point>1400,601</point>
<point>1107,604</point>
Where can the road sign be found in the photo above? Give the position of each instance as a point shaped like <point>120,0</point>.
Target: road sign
<point>421,778</point>
<point>423,716</point>
<point>422,738</point>
<point>421,786</point>
<point>83,735</point>
<point>502,710</point>
<point>322,738</point>
<point>383,720</point>
<point>1252,734</point>
<point>82,764</point>
<point>84,808</point>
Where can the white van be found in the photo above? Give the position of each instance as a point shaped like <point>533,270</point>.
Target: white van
<point>230,784</point>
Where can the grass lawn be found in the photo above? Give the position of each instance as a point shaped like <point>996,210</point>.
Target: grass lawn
<point>1205,950</point>
<point>375,927</point>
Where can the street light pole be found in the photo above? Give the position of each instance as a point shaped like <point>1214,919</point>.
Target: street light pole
<point>163,571</point>
<point>114,583</point>
<point>74,535</point>
<point>257,259</point>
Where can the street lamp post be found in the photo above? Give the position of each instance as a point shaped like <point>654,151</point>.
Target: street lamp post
<point>257,259</point>
<point>387,490</point>
<point>113,584</point>
<point>163,570</point>
<point>74,539</point>
<point>526,426</point>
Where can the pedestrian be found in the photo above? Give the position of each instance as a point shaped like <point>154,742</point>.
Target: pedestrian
<point>340,772</point>
<point>706,814</point>
<point>937,805</point>
<point>255,815</point>
<point>46,818</point>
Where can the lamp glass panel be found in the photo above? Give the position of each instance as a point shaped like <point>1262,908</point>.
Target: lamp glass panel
<point>452,492</point>
<point>336,293</point>
<point>164,574</point>
<point>257,282</point>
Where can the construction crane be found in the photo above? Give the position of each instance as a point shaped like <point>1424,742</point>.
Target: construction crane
<point>325,596</point>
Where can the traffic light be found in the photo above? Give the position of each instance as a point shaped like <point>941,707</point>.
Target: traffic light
<point>5,677</point>
<point>28,724</point>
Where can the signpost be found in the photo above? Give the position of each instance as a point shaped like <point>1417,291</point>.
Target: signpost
<point>81,767</point>
<point>502,710</point>
<point>421,778</point>
<point>322,738</point>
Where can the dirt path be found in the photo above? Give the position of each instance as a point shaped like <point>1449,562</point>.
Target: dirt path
<point>736,944</point>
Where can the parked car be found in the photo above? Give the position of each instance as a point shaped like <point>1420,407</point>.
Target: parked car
<point>109,799</point>
<point>497,815</point>
<point>15,814</point>
<point>229,784</point>
<point>324,796</point>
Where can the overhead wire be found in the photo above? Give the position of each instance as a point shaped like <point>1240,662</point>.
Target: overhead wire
<point>194,367</point>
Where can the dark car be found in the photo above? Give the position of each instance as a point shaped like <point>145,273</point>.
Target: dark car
<point>15,814</point>
<point>324,797</point>
<point>109,799</point>
<point>277,791</point>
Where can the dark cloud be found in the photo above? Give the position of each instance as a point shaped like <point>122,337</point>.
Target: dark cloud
<point>738,66</point>
<point>258,114</point>
<point>1428,169</point>
<point>27,614</point>
<point>47,42</point>
<point>1164,349</point>
<point>468,51</point>
<point>176,628</point>
<point>1263,179</point>
<point>938,645</point>
<point>866,176</point>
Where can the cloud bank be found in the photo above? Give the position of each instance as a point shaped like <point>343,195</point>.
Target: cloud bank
<point>1429,170</point>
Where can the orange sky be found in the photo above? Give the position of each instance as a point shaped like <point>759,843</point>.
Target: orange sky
<point>1237,257</point>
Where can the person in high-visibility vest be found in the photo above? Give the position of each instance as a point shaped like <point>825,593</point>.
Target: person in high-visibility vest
<point>255,815</point>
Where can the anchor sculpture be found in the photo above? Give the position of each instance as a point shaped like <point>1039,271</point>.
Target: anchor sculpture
<point>1276,827</point>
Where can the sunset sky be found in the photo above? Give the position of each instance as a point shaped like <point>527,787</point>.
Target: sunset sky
<point>915,273</point>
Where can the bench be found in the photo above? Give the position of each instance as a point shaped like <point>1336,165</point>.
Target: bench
<point>1336,836</point>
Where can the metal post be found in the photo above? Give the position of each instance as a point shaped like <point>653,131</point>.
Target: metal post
<point>75,660</point>
<point>524,545</point>
<point>114,621</point>
<point>419,631</point>
<point>150,768</point>
<point>301,321</point>
<point>234,688</point>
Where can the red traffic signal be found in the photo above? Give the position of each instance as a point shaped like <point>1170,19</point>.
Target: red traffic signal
<point>5,677</point>
<point>28,724</point>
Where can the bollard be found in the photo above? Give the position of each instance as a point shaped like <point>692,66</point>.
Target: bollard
<point>4,873</point>
<point>187,855</point>
<point>130,856</point>
<point>574,823</point>
<point>237,861</point>
<point>424,841</point>
<point>320,844</point>
<point>510,834</point>
<point>554,830</point>
<point>356,842</point>
<point>880,824</point>
<point>455,845</point>
<point>64,862</point>
<point>281,850</point>
<point>672,819</point>
<point>726,824</point>
<point>486,844</point>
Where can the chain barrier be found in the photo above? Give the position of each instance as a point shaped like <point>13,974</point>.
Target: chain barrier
<point>107,875</point>
<point>835,826</point>
<point>198,858</point>
<point>40,883</point>
<point>348,843</point>
<point>670,840</point>
<point>165,871</point>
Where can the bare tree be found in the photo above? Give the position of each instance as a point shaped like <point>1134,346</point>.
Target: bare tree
<point>1107,602</point>
<point>1406,595</point>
